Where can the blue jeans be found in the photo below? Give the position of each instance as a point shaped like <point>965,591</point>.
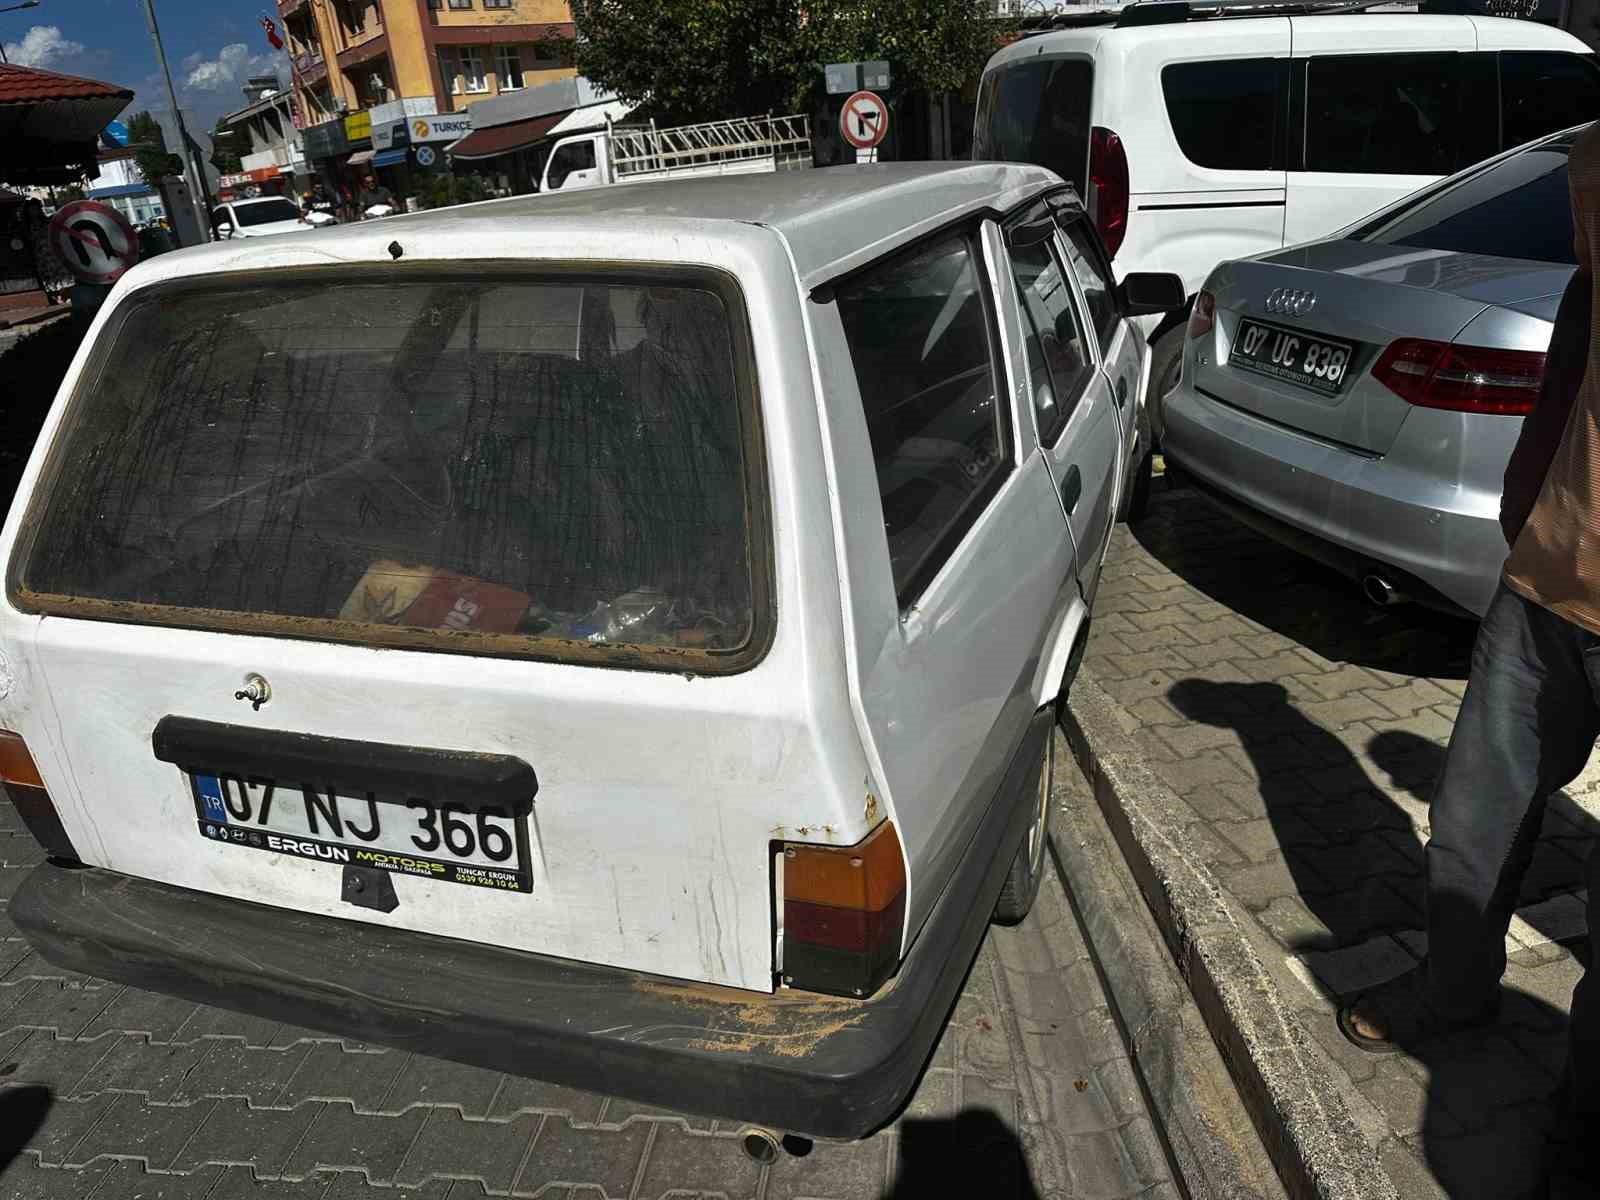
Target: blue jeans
<point>1527,724</point>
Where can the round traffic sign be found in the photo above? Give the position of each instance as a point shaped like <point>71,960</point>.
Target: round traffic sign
<point>864,120</point>
<point>425,156</point>
<point>93,240</point>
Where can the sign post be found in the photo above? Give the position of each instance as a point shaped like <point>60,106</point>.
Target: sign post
<point>864,122</point>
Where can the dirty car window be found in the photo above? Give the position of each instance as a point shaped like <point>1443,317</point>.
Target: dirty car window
<point>535,460</point>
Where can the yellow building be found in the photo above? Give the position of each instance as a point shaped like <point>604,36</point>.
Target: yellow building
<point>367,73</point>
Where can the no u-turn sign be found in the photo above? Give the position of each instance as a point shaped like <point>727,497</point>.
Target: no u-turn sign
<point>93,240</point>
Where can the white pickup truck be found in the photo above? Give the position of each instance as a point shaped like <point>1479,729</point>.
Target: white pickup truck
<point>634,154</point>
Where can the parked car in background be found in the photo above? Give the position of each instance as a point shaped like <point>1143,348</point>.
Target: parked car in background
<point>614,637</point>
<point>1196,138</point>
<point>1359,397</point>
<point>262,217</point>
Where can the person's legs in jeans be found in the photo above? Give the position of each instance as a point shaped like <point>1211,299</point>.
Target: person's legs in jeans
<point>1525,729</point>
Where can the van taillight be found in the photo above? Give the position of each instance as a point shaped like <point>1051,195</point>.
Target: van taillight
<point>28,796</point>
<point>843,912</point>
<point>1108,188</point>
<point>1474,379</point>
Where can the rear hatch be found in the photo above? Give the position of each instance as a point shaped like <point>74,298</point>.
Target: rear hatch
<point>1299,331</point>
<point>438,600</point>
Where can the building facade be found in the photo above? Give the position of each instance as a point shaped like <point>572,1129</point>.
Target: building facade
<point>264,136</point>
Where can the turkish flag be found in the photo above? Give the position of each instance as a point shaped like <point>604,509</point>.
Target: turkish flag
<point>272,33</point>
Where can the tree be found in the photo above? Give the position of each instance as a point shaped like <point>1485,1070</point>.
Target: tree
<point>224,155</point>
<point>698,60</point>
<point>149,146</point>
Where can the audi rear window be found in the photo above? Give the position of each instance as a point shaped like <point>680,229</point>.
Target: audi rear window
<point>555,467</point>
<point>1518,208</point>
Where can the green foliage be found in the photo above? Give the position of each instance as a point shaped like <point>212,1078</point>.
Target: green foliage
<point>705,59</point>
<point>442,189</point>
<point>149,146</point>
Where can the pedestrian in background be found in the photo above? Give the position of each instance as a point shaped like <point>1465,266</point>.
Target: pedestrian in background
<point>1529,718</point>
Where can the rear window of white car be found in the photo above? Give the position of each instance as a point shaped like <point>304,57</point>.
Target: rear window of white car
<point>1037,110</point>
<point>559,467</point>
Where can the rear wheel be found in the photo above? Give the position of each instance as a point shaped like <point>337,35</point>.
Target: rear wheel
<point>1027,868</point>
<point>1166,365</point>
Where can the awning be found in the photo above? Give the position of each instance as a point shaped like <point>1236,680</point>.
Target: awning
<point>360,157</point>
<point>505,139</point>
<point>385,158</point>
<point>50,123</point>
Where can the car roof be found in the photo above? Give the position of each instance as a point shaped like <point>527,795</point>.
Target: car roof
<point>832,219</point>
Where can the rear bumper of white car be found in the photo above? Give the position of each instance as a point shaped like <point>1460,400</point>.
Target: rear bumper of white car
<point>792,1061</point>
<point>1438,538</point>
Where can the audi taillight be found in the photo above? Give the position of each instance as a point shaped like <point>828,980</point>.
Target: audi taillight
<point>29,797</point>
<point>1108,188</point>
<point>844,909</point>
<point>1473,379</point>
<point>1203,315</point>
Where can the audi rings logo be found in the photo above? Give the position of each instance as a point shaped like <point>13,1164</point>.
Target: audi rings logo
<point>1290,303</point>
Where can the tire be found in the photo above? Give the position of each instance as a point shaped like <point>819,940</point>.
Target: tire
<point>1027,868</point>
<point>1166,365</point>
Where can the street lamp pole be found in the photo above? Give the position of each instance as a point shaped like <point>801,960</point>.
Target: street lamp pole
<point>195,180</point>
<point>14,8</point>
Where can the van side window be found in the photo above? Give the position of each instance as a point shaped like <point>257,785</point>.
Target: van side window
<point>1058,357</point>
<point>1542,91</point>
<point>1037,111</point>
<point>1095,279</point>
<point>1229,116</point>
<point>574,156</point>
<point>921,342</point>
<point>1399,114</point>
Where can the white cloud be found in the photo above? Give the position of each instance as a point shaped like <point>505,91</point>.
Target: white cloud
<point>43,45</point>
<point>232,65</point>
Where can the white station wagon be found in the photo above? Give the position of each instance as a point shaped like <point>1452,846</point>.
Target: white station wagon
<point>612,637</point>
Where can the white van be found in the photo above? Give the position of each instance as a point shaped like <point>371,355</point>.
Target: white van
<point>1198,138</point>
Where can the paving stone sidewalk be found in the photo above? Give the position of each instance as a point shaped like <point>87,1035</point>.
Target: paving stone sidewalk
<point>1303,730</point>
<point>1030,1094</point>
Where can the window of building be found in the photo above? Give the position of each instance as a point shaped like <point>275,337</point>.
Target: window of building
<point>460,3</point>
<point>499,3</point>
<point>1229,116</point>
<point>922,347</point>
<point>353,16</point>
<point>1400,114</point>
<point>508,67</point>
<point>462,68</point>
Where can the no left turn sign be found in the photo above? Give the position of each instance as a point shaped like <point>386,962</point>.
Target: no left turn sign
<point>93,240</point>
<point>864,120</point>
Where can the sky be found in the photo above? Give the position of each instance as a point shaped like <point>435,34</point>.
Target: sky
<point>212,47</point>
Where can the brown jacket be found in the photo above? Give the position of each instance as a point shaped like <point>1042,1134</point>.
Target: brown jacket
<point>1542,429</point>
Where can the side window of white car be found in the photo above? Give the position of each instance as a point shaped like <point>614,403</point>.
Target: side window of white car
<point>1058,356</point>
<point>922,342</point>
<point>1095,279</point>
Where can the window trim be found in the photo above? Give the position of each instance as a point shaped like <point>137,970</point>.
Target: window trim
<point>969,228</point>
<point>1096,252</point>
<point>1085,378</point>
<point>759,525</point>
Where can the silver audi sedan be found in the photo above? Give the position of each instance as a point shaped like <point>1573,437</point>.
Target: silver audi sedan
<point>1358,397</point>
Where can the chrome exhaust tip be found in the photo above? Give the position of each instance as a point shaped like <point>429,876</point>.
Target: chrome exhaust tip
<point>1378,589</point>
<point>761,1145</point>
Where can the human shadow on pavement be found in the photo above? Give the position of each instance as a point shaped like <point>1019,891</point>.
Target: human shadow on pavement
<point>1356,864</point>
<point>974,1153</point>
<point>22,1114</point>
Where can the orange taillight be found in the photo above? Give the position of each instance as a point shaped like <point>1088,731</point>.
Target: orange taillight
<point>26,791</point>
<point>16,764</point>
<point>843,912</point>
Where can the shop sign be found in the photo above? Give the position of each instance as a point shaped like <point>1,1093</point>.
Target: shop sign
<point>326,140</point>
<point>443,127</point>
<point>262,174</point>
<point>391,134</point>
<point>358,126</point>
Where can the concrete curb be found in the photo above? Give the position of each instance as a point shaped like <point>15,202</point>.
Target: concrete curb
<point>1284,1078</point>
<point>34,316</point>
<point>1209,1132</point>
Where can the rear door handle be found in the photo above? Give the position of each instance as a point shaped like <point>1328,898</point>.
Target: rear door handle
<point>1072,488</point>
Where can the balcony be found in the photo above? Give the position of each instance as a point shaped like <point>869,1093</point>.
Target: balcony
<point>290,7</point>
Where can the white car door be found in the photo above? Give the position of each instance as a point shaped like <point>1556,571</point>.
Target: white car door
<point>960,562</point>
<point>1378,126</point>
<point>1074,410</point>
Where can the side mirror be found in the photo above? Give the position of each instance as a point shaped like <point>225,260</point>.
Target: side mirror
<point>1145,293</point>
<point>224,229</point>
